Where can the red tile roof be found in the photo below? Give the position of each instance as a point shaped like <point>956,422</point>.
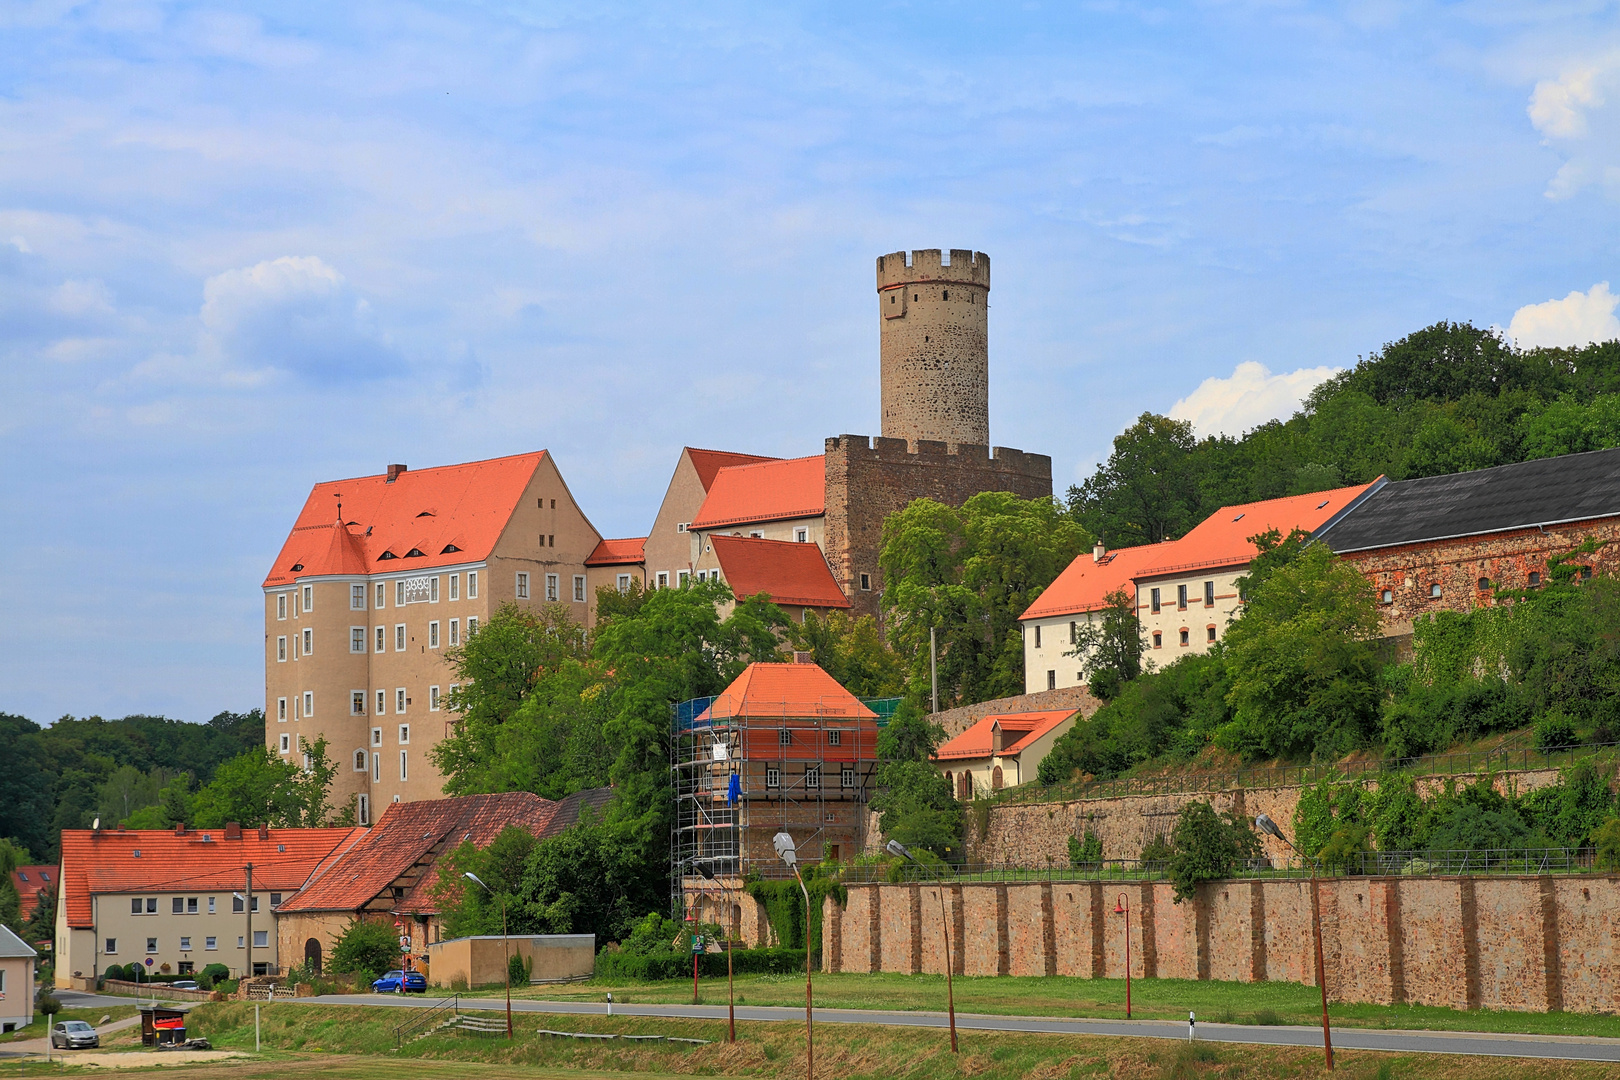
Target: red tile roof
<point>785,691</point>
<point>30,881</point>
<point>413,832</point>
<point>159,860</point>
<point>1222,539</point>
<point>429,510</point>
<point>709,462</point>
<point>788,572</point>
<point>1084,584</point>
<point>1018,730</point>
<point>619,552</point>
<point>767,491</point>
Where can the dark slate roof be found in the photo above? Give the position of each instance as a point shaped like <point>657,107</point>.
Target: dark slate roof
<point>1575,487</point>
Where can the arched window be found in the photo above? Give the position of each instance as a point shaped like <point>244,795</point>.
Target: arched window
<point>995,778</point>
<point>312,956</point>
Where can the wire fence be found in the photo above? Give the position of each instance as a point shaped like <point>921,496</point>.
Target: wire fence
<point>1418,863</point>
<point>1521,759</point>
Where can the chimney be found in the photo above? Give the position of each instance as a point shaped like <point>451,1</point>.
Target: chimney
<point>264,832</point>
<point>804,658</point>
<point>394,471</point>
<point>995,738</point>
<point>179,828</point>
<point>1098,551</point>
<point>233,830</point>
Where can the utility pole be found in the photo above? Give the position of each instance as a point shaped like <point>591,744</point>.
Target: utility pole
<point>247,904</point>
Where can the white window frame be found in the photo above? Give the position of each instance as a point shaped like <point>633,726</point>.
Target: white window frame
<point>309,598</point>
<point>281,606</point>
<point>210,943</point>
<point>382,704</point>
<point>663,579</point>
<point>376,736</point>
<point>773,776</point>
<point>400,699</point>
<point>364,811</point>
<point>682,526</point>
<point>309,703</point>
<point>433,633</point>
<point>433,699</point>
<point>801,535</point>
<point>211,900</point>
<point>111,947</point>
<point>404,734</point>
<point>846,777</point>
<point>360,760</point>
<point>286,743</point>
<point>261,939</point>
<point>472,625</point>
<point>472,584</point>
<point>399,593</point>
<point>376,767</point>
<point>357,597</point>
<point>553,588</point>
<point>382,595</point>
<point>281,649</point>
<point>683,578</point>
<point>399,637</point>
<point>382,639</point>
<point>455,586</point>
<point>433,589</point>
<point>812,778</point>
<point>357,698</point>
<point>151,946</point>
<point>281,710</point>
<point>579,588</point>
<point>623,583</point>
<point>185,943</point>
<point>835,737</point>
<point>357,639</point>
<point>520,585</point>
<point>455,632</point>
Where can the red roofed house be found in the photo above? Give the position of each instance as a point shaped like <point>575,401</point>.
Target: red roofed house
<point>1185,590</point>
<point>1001,750</point>
<point>176,896</point>
<point>390,872</point>
<point>616,564</point>
<point>802,750</point>
<point>359,609</point>
<point>668,548</point>
<point>793,575</point>
<point>33,884</point>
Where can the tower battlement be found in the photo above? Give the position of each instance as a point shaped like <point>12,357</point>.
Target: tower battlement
<point>927,264</point>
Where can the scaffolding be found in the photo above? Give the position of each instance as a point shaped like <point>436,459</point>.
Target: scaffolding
<point>742,773</point>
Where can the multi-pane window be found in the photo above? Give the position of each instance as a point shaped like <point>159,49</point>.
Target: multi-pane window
<point>1181,597</point>
<point>404,734</point>
<point>399,700</point>
<point>455,632</point>
<point>185,943</point>
<point>835,737</point>
<point>846,777</point>
<point>579,588</point>
<point>552,581</point>
<point>309,703</point>
<point>1153,600</point>
<point>472,584</point>
<point>382,595</point>
<point>433,589</point>
<point>281,605</point>
<point>357,639</point>
<point>623,584</point>
<point>472,625</point>
<point>357,598</point>
<point>433,698</point>
<point>455,586</point>
<point>281,709</point>
<point>522,585</point>
<point>281,649</point>
<point>357,703</point>
<point>399,593</point>
<point>773,777</point>
<point>784,737</point>
<point>812,778</point>
<point>1209,594</point>
<point>433,634</point>
<point>663,579</point>
<point>309,598</point>
<point>399,637</point>
<point>382,704</point>
<point>359,761</point>
<point>210,943</point>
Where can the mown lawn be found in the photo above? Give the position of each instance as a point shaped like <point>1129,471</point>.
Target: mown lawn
<point>37,1029</point>
<point>1151,999</point>
<point>356,1043</point>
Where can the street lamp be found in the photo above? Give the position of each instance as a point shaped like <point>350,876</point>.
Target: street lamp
<point>789,854</point>
<point>1267,825</point>
<point>895,847</point>
<point>708,871</point>
<point>1123,907</point>
<point>506,947</point>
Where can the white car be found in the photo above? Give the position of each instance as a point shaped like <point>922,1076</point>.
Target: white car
<point>74,1035</point>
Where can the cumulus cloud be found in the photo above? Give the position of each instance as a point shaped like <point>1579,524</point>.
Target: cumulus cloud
<point>1558,106</point>
<point>1570,113</point>
<point>1578,319</point>
<point>1249,398</point>
<point>294,314</point>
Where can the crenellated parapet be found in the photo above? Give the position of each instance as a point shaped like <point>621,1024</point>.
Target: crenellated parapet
<point>965,267</point>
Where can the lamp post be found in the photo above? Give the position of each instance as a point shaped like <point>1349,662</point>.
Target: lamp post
<point>789,853</point>
<point>506,948</point>
<point>731,1004</point>
<point>895,847</point>
<point>1123,907</point>
<point>1267,825</point>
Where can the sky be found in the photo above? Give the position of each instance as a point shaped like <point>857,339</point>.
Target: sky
<point>245,249</point>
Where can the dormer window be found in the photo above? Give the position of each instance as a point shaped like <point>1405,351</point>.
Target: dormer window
<point>385,556</point>
<point>449,549</point>
<point>415,553</point>
<point>297,566</point>
<point>429,513</point>
<point>1239,517</point>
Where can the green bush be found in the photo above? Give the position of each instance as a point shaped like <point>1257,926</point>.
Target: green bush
<point>367,949</point>
<point>1085,851</point>
<point>1208,846</point>
<point>1555,731</point>
<point>623,964</point>
<point>517,970</point>
<point>214,973</point>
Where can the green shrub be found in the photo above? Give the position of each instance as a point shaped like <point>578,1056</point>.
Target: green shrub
<point>214,973</point>
<point>1085,852</point>
<point>1208,847</point>
<point>517,970</point>
<point>1555,731</point>
<point>622,964</point>
<point>367,949</point>
<point>1607,839</point>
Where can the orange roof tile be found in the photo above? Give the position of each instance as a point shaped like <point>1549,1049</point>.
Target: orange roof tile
<point>1222,539</point>
<point>786,571</point>
<point>159,860</point>
<point>464,507</point>
<point>709,462</point>
<point>766,491</point>
<point>409,833</point>
<point>1018,730</point>
<point>785,691</point>
<point>30,881</point>
<point>619,552</point>
<point>1084,584</point>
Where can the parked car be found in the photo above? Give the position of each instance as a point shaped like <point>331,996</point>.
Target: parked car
<point>184,984</point>
<point>401,982</point>
<point>74,1035</point>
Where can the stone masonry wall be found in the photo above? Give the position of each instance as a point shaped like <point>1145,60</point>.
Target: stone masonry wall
<point>956,721</point>
<point>869,479</point>
<point>1523,943</point>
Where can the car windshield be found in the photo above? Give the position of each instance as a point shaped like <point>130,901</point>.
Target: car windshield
<point>393,975</point>
<point>76,1025</point>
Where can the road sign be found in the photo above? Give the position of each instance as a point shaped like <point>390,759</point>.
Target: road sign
<point>148,961</point>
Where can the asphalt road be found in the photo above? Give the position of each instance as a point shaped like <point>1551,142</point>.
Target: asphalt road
<point>1556,1047</point>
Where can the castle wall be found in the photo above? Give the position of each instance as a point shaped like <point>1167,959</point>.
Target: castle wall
<point>869,479</point>
<point>1530,944</point>
<point>935,346</point>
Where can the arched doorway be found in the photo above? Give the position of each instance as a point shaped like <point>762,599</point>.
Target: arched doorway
<point>312,956</point>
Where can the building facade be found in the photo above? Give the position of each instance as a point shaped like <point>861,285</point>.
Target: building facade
<point>668,547</point>
<point>360,609</point>
<point>1001,750</point>
<point>17,960</point>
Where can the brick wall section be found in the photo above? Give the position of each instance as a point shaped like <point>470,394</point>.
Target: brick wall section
<point>869,479</point>
<point>955,721</point>
<point>1385,940</point>
<point>1506,560</point>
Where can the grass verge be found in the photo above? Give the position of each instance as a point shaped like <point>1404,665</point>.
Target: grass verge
<point>36,1030</point>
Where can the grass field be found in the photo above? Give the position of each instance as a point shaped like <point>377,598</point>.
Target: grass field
<point>1222,1002</point>
<point>36,1030</point>
<point>356,1043</point>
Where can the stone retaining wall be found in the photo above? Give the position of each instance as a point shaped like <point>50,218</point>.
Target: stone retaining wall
<point>1524,943</point>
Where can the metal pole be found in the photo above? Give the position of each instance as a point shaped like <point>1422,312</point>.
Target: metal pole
<point>731,991</point>
<point>1321,975</point>
<point>950,994</point>
<point>247,903</point>
<point>809,1024</point>
<point>933,671</point>
<point>1125,907</point>
<point>255,1028</point>
<point>506,950</point>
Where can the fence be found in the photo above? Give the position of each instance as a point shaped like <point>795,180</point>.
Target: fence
<point>423,1019</point>
<point>1464,763</point>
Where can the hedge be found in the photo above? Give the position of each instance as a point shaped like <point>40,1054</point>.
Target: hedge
<point>617,964</point>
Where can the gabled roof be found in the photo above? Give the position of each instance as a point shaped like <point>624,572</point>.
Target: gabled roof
<point>409,833</point>
<point>1085,584</point>
<point>766,491</point>
<point>161,860</point>
<point>1018,731</point>
<point>1222,539</point>
<point>708,463</point>
<point>12,946</point>
<point>33,880</point>
<point>451,514</point>
<point>1549,491</point>
<point>788,572</point>
<point>785,691</point>
<point>619,552</point>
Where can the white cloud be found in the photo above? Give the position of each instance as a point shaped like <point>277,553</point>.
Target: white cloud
<point>1558,106</point>
<point>1570,113</point>
<point>1578,319</point>
<point>1249,398</point>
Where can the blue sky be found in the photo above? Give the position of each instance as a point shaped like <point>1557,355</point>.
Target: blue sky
<point>243,250</point>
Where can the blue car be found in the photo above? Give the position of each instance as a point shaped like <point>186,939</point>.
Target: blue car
<point>401,982</point>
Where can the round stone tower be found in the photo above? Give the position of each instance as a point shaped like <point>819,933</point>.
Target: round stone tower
<point>935,346</point>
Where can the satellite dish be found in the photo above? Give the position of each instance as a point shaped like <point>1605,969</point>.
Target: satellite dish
<point>96,824</point>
